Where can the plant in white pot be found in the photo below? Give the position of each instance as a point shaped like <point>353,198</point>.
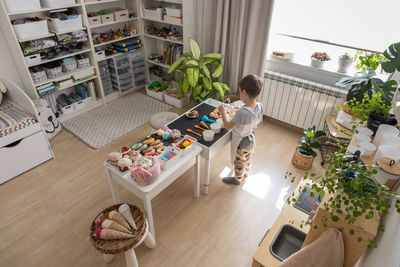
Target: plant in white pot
<point>318,59</point>
<point>345,61</point>
<point>198,73</point>
<point>304,154</point>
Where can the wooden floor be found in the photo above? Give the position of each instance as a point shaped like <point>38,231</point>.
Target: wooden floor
<point>45,214</point>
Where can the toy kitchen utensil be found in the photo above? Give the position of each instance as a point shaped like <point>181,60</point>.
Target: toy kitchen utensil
<point>198,127</point>
<point>191,131</point>
<point>205,119</point>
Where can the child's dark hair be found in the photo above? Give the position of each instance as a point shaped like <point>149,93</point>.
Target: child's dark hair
<point>251,84</point>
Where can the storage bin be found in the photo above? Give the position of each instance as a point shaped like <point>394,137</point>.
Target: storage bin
<point>58,25</point>
<point>173,11</point>
<point>68,109</point>
<point>153,12</point>
<point>171,19</point>
<point>100,55</point>
<point>90,1</point>
<point>53,70</point>
<point>80,104</point>
<point>20,5</point>
<point>95,20</point>
<point>107,18</point>
<point>31,29</point>
<point>83,63</point>
<point>120,14</point>
<point>173,101</point>
<point>57,3</point>
<point>33,59</point>
<point>38,76</point>
<point>69,64</point>
<point>156,95</point>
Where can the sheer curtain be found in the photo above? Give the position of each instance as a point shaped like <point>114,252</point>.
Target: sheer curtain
<point>239,29</point>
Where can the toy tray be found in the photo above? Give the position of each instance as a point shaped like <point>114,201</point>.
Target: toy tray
<point>124,44</point>
<point>183,123</point>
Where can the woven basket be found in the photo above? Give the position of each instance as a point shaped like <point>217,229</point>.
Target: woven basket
<point>119,245</point>
<point>302,161</point>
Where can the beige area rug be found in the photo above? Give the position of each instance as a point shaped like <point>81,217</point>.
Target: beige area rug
<point>104,124</point>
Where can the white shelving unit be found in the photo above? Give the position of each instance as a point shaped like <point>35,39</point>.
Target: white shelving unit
<point>150,43</point>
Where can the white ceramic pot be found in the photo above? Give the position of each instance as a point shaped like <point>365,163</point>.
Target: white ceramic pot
<point>216,127</point>
<point>386,151</point>
<point>317,63</point>
<point>359,138</point>
<point>390,139</point>
<point>208,135</point>
<point>344,64</point>
<point>382,130</point>
<point>367,148</point>
<point>352,150</point>
<point>220,122</point>
<point>365,131</point>
<point>344,119</point>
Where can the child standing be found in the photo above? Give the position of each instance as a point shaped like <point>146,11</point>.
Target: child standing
<point>242,125</point>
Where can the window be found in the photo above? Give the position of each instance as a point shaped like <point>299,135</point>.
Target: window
<point>363,24</point>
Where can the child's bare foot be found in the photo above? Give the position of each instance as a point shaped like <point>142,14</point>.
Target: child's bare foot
<point>230,180</point>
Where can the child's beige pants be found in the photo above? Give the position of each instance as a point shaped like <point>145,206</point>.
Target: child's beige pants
<point>242,162</point>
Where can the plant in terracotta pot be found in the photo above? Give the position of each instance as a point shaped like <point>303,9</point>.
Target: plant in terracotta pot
<point>199,73</point>
<point>304,154</point>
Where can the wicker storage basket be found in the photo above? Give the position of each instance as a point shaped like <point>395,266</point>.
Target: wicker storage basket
<point>119,245</point>
<point>301,161</point>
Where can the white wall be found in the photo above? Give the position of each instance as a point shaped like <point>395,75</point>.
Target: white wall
<point>7,65</point>
<point>387,253</point>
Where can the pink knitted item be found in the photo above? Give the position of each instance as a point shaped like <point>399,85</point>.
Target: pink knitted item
<point>145,175</point>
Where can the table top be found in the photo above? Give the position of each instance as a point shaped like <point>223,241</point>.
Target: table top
<point>336,129</point>
<point>182,123</point>
<point>185,157</point>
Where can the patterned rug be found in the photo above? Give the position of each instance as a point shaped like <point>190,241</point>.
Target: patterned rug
<point>104,124</point>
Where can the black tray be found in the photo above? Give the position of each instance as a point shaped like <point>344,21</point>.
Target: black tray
<point>307,202</point>
<point>184,123</point>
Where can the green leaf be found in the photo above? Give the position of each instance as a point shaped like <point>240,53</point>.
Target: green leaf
<point>213,56</point>
<point>207,83</point>
<point>191,63</point>
<point>176,64</point>
<point>352,232</point>
<point>197,90</point>
<point>392,53</point>
<point>206,71</point>
<point>219,89</point>
<point>218,71</point>
<point>185,85</point>
<point>334,218</point>
<point>193,76</point>
<point>225,87</point>
<point>195,48</point>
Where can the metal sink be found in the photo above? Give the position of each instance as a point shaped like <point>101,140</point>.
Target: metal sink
<point>287,241</point>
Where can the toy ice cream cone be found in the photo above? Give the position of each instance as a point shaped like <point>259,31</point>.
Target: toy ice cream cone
<point>110,234</point>
<point>126,212</point>
<point>117,217</point>
<point>110,224</point>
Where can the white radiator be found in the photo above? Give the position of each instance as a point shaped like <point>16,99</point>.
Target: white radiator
<point>299,102</point>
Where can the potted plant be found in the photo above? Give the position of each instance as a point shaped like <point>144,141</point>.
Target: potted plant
<point>318,59</point>
<point>303,156</point>
<point>372,110</point>
<point>366,60</point>
<point>198,73</point>
<point>353,189</point>
<point>345,62</point>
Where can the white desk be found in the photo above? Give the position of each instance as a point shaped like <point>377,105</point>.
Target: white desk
<point>167,177</point>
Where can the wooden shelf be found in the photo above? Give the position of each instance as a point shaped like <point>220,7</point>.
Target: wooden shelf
<point>162,21</point>
<point>75,83</point>
<point>70,30</point>
<point>50,34</point>
<point>85,50</point>
<point>101,2</point>
<point>116,40</point>
<point>171,1</point>
<point>159,64</point>
<point>112,23</point>
<point>164,39</point>
<point>64,76</point>
<point>41,10</point>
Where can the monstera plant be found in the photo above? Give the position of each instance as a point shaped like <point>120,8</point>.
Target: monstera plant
<point>198,73</point>
<point>392,54</point>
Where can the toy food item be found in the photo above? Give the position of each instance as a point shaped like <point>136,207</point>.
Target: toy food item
<point>124,164</point>
<point>146,170</point>
<point>203,124</point>
<point>110,234</point>
<point>215,114</point>
<point>175,134</point>
<point>142,148</point>
<point>116,217</point>
<point>126,150</point>
<point>148,149</point>
<point>166,136</point>
<point>161,149</point>
<point>134,155</point>
<point>113,158</point>
<point>136,146</point>
<point>158,145</point>
<point>155,142</point>
<point>125,211</point>
<point>150,152</point>
<point>148,141</point>
<point>186,142</point>
<point>110,224</point>
<point>160,132</point>
<point>164,128</point>
<point>192,114</point>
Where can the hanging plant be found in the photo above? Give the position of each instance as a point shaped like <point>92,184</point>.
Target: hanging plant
<point>198,73</point>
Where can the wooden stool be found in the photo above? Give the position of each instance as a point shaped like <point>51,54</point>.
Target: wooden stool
<point>111,247</point>
<point>160,119</point>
